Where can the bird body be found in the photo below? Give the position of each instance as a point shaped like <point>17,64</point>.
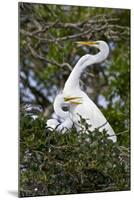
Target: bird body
<point>65,125</point>
<point>82,105</point>
<point>93,116</point>
<point>52,124</point>
<point>78,101</point>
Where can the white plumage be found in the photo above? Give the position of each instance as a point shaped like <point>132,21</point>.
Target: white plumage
<point>79,103</point>
<point>65,121</point>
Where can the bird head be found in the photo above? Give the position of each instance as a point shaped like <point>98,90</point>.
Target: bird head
<point>101,45</point>
<point>73,100</point>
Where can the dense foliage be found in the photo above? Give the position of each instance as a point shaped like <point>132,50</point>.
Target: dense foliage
<point>53,163</point>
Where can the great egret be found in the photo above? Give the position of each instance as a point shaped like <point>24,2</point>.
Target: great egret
<point>80,103</point>
<point>66,122</point>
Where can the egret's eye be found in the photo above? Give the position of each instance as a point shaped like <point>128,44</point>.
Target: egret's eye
<point>65,108</point>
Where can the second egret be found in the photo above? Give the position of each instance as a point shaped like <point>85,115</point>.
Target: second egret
<point>65,122</point>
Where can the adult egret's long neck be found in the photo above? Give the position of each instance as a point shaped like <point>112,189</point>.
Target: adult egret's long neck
<point>84,61</point>
<point>73,79</point>
<point>103,53</point>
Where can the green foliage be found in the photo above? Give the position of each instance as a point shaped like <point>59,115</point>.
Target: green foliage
<point>53,163</point>
<point>45,45</point>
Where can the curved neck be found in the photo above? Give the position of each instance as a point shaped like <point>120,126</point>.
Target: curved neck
<point>58,109</point>
<point>73,79</point>
<point>86,60</point>
<point>102,54</point>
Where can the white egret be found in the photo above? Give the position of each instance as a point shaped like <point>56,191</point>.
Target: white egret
<point>80,103</point>
<point>64,116</point>
<point>52,124</point>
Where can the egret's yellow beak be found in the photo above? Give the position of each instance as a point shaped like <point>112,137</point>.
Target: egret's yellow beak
<point>88,43</point>
<point>73,100</point>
